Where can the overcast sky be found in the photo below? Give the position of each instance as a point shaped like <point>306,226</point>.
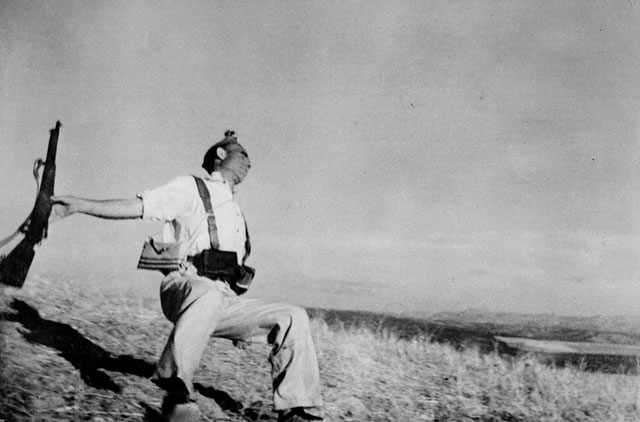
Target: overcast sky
<point>408,156</point>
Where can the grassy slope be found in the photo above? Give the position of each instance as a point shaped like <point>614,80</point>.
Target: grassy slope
<point>70,356</point>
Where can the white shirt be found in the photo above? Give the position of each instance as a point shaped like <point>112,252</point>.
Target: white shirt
<point>178,204</point>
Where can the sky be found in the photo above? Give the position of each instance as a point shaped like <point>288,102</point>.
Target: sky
<point>409,157</point>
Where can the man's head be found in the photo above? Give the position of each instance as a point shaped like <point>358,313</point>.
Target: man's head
<point>229,157</point>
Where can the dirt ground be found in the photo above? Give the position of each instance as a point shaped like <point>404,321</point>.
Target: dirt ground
<point>71,355</point>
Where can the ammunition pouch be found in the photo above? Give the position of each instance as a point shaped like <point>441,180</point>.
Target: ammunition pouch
<point>223,265</point>
<point>160,256</point>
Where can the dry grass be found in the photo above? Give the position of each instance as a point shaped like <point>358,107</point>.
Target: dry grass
<point>399,380</point>
<point>87,358</point>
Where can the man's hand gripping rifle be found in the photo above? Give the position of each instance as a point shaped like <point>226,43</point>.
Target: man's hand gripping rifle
<point>15,266</point>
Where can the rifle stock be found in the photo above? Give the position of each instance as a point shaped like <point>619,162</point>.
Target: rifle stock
<point>14,267</point>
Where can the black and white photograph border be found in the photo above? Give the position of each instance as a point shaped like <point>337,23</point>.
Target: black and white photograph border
<point>450,190</point>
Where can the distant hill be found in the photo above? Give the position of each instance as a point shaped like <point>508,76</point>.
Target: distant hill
<point>467,328</point>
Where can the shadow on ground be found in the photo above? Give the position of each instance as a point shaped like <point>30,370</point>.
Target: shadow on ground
<point>224,400</point>
<point>86,356</point>
<point>257,411</point>
<point>151,414</point>
<point>92,360</point>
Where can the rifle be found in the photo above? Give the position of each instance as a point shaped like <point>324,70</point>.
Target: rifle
<point>15,266</point>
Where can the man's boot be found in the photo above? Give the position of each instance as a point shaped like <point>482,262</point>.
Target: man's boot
<point>297,414</point>
<point>176,409</point>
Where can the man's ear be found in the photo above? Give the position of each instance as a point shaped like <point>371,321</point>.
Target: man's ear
<point>221,153</point>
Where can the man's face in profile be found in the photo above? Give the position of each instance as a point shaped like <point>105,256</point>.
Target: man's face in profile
<point>236,161</point>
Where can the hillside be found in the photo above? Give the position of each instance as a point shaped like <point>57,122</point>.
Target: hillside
<point>69,355</point>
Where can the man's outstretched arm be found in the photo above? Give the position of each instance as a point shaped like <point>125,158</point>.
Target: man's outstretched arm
<point>64,206</point>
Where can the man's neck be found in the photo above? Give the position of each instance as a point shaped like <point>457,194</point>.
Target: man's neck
<point>228,176</point>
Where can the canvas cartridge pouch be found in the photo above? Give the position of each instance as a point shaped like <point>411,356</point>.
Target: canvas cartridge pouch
<point>165,257</point>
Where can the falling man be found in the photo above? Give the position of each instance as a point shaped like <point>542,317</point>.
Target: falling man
<point>203,294</point>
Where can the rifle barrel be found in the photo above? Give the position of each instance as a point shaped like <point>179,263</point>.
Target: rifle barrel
<point>53,143</point>
<point>15,266</point>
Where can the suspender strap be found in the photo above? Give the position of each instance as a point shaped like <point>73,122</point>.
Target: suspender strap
<point>247,242</point>
<point>211,218</point>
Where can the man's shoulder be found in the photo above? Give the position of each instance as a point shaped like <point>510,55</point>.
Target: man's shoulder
<point>183,183</point>
<point>184,179</point>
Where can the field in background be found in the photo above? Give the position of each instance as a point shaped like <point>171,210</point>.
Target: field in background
<point>69,355</point>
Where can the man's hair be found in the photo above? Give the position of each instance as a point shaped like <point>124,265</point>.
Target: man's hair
<point>212,154</point>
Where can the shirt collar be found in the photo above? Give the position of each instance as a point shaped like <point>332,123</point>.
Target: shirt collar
<point>217,178</point>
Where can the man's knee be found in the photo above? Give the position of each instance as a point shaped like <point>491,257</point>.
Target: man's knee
<point>291,322</point>
<point>184,293</point>
<point>299,315</point>
<point>295,318</point>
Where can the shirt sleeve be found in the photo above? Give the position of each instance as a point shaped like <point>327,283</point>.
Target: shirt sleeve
<point>168,201</point>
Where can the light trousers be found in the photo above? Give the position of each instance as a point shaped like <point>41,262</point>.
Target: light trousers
<point>201,308</point>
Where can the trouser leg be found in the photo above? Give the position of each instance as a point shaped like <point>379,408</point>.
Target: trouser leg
<point>195,306</point>
<point>296,381</point>
<point>199,308</point>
